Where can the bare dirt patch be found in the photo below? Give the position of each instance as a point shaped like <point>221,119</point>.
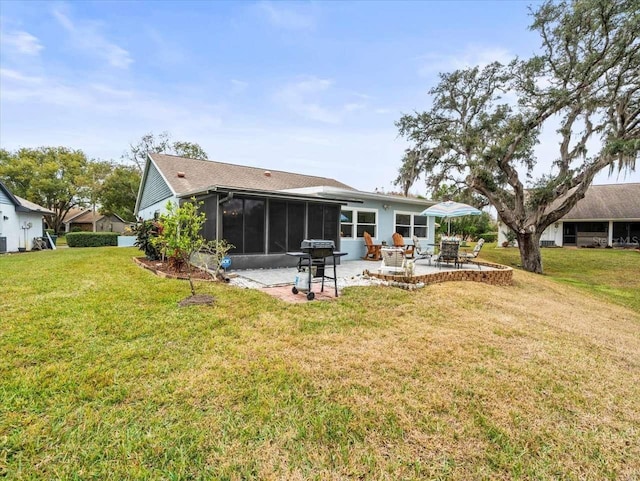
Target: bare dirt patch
<point>197,300</point>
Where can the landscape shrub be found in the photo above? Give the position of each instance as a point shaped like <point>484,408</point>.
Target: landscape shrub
<point>489,236</point>
<point>147,233</point>
<point>76,229</point>
<point>92,239</point>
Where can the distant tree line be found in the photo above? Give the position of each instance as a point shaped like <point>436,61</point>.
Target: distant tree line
<point>62,178</point>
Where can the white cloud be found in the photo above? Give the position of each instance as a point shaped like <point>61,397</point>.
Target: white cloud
<point>471,56</point>
<point>167,52</point>
<point>238,86</point>
<point>352,107</point>
<point>9,74</point>
<point>23,95</point>
<point>302,97</point>
<point>316,99</point>
<point>86,36</point>
<point>21,42</point>
<point>281,15</point>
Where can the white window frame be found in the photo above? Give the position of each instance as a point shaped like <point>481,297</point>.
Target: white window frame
<point>413,225</point>
<point>354,221</point>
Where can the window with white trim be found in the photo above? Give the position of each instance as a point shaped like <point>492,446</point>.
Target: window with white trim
<point>346,223</point>
<point>366,221</point>
<point>354,222</point>
<point>408,224</point>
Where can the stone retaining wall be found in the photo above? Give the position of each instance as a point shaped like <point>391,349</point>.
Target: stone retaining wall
<point>500,276</point>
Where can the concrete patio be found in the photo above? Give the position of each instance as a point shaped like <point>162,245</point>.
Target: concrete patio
<point>349,273</point>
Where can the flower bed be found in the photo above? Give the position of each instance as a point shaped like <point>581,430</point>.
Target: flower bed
<point>162,269</point>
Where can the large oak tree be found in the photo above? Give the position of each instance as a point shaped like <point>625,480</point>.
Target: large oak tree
<point>54,177</point>
<point>485,122</point>
<point>118,193</point>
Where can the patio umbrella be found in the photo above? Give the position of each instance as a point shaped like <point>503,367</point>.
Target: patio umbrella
<point>450,209</point>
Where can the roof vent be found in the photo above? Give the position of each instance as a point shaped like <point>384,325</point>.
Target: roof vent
<point>267,173</point>
<point>180,174</point>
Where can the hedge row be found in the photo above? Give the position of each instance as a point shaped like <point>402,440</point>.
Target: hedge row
<point>489,236</point>
<point>92,239</point>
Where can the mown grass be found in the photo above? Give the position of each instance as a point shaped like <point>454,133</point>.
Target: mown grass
<point>613,274</point>
<point>102,376</point>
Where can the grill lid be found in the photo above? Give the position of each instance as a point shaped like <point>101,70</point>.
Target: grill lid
<point>317,244</point>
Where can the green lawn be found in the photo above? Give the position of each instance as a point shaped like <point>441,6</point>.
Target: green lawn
<point>102,376</point>
<point>611,273</point>
<point>61,240</point>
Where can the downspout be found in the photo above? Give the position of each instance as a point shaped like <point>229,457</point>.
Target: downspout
<point>225,199</point>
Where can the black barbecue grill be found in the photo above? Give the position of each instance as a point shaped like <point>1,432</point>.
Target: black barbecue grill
<point>312,259</point>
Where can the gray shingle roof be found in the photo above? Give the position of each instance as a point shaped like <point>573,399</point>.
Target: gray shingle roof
<point>23,204</point>
<point>611,201</point>
<point>32,206</point>
<point>201,174</point>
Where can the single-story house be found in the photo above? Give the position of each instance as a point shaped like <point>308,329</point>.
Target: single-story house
<point>608,215</point>
<point>266,213</point>
<point>20,221</point>
<point>379,214</point>
<point>84,219</point>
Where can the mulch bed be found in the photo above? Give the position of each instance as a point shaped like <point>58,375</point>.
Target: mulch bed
<point>162,269</point>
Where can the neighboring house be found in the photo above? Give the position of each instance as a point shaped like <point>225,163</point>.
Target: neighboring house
<point>608,215</point>
<point>20,221</point>
<point>266,213</point>
<point>84,219</point>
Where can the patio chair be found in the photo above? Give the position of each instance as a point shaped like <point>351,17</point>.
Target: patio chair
<point>469,256</point>
<point>393,259</point>
<point>373,250</point>
<point>421,253</point>
<point>398,241</point>
<point>448,253</point>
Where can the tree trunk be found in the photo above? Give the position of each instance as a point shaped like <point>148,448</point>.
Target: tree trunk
<point>193,290</point>
<point>529,245</point>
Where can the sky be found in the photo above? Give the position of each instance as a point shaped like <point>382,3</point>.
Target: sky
<point>311,87</point>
